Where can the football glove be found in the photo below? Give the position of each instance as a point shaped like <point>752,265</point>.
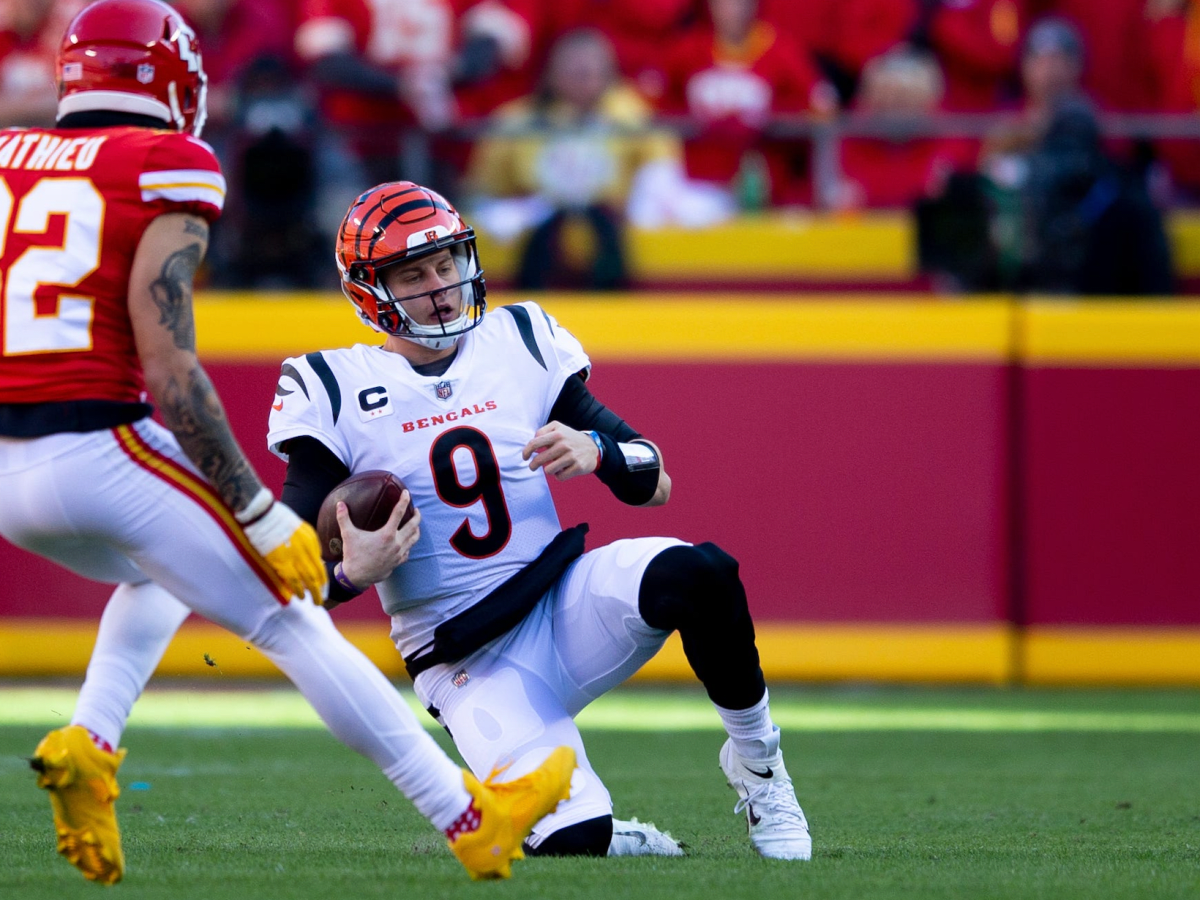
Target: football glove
<point>291,549</point>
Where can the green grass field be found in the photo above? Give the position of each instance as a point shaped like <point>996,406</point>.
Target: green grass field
<point>911,793</point>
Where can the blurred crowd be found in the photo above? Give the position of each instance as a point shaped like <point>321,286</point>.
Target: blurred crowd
<point>557,123</point>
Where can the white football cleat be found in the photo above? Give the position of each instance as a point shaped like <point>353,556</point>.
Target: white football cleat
<point>777,825</point>
<point>634,838</point>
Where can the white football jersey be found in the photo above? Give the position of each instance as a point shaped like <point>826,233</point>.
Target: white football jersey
<point>455,440</point>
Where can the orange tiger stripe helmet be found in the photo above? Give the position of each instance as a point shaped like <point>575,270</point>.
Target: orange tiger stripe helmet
<point>395,223</point>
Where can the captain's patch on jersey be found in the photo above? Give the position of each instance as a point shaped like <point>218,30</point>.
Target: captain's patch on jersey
<point>373,402</point>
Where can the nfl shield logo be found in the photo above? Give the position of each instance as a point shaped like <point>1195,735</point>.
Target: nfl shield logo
<point>145,73</point>
<point>443,389</point>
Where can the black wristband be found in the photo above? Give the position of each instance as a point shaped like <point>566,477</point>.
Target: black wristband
<point>633,488</point>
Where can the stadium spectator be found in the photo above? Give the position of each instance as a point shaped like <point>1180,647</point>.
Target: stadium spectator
<point>508,628</point>
<point>1052,62</point>
<point>1173,29</point>
<point>1092,228</point>
<point>557,168</point>
<point>974,235</point>
<point>262,126</point>
<point>98,309</point>
<point>842,35</point>
<point>731,74</point>
<point>640,31</point>
<point>976,42</point>
<point>234,34</point>
<point>29,35</point>
<point>284,172</point>
<point>389,66</point>
<point>900,90</point>
<point>1117,70</point>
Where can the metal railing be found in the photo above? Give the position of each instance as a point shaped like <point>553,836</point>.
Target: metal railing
<point>824,134</point>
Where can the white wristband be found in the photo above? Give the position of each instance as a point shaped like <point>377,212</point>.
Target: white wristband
<point>257,506</point>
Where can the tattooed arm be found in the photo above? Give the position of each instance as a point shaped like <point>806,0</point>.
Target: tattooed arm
<point>160,306</point>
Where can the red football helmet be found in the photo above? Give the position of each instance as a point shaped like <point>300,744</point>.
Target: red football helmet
<point>397,222</point>
<point>134,56</point>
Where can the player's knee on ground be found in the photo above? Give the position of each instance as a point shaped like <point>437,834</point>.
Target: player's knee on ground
<point>696,591</point>
<point>590,838</point>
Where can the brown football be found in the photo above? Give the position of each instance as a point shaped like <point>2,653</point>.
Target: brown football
<point>370,497</point>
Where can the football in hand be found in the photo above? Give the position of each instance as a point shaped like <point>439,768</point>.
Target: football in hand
<point>370,498</point>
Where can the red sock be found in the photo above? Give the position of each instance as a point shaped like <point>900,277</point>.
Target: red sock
<point>100,742</point>
<point>466,823</point>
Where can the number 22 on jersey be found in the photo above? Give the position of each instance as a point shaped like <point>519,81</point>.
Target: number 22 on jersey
<point>69,326</point>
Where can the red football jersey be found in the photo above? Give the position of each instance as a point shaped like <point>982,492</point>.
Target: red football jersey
<point>73,206</point>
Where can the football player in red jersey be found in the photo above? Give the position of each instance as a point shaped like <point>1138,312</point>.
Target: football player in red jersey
<point>103,221</point>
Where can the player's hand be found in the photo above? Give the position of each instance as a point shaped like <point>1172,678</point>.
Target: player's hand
<point>291,549</point>
<point>561,451</point>
<point>368,557</point>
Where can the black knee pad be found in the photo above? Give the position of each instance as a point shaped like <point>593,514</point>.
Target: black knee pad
<point>590,838</point>
<point>683,583</point>
<point>697,592</point>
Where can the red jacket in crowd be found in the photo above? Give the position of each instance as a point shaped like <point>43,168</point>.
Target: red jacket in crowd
<point>732,92</point>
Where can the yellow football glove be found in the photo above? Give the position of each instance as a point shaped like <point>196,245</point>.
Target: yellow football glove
<point>290,547</point>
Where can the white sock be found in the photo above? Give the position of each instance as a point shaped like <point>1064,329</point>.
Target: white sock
<point>135,629</point>
<point>363,709</point>
<point>755,736</point>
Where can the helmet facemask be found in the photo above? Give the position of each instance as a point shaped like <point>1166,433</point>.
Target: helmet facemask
<point>392,316</point>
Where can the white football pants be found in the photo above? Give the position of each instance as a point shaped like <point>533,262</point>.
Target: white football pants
<point>125,506</point>
<point>516,699</point>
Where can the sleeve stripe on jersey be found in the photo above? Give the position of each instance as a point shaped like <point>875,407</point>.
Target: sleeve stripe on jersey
<point>317,361</point>
<point>183,185</point>
<point>525,327</point>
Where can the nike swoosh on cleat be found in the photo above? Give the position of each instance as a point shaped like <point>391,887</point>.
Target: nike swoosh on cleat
<point>754,819</point>
<point>767,774</point>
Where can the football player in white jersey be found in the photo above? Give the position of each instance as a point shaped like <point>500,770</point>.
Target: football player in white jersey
<point>507,626</point>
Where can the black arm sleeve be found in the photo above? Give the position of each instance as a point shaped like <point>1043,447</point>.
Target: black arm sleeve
<point>576,407</point>
<point>313,471</point>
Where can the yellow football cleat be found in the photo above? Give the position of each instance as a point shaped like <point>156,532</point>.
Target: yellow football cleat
<point>82,781</point>
<point>507,811</point>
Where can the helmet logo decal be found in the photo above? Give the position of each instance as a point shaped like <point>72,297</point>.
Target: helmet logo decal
<point>427,235</point>
<point>145,73</point>
<point>72,72</point>
<point>443,389</point>
<point>183,40</point>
